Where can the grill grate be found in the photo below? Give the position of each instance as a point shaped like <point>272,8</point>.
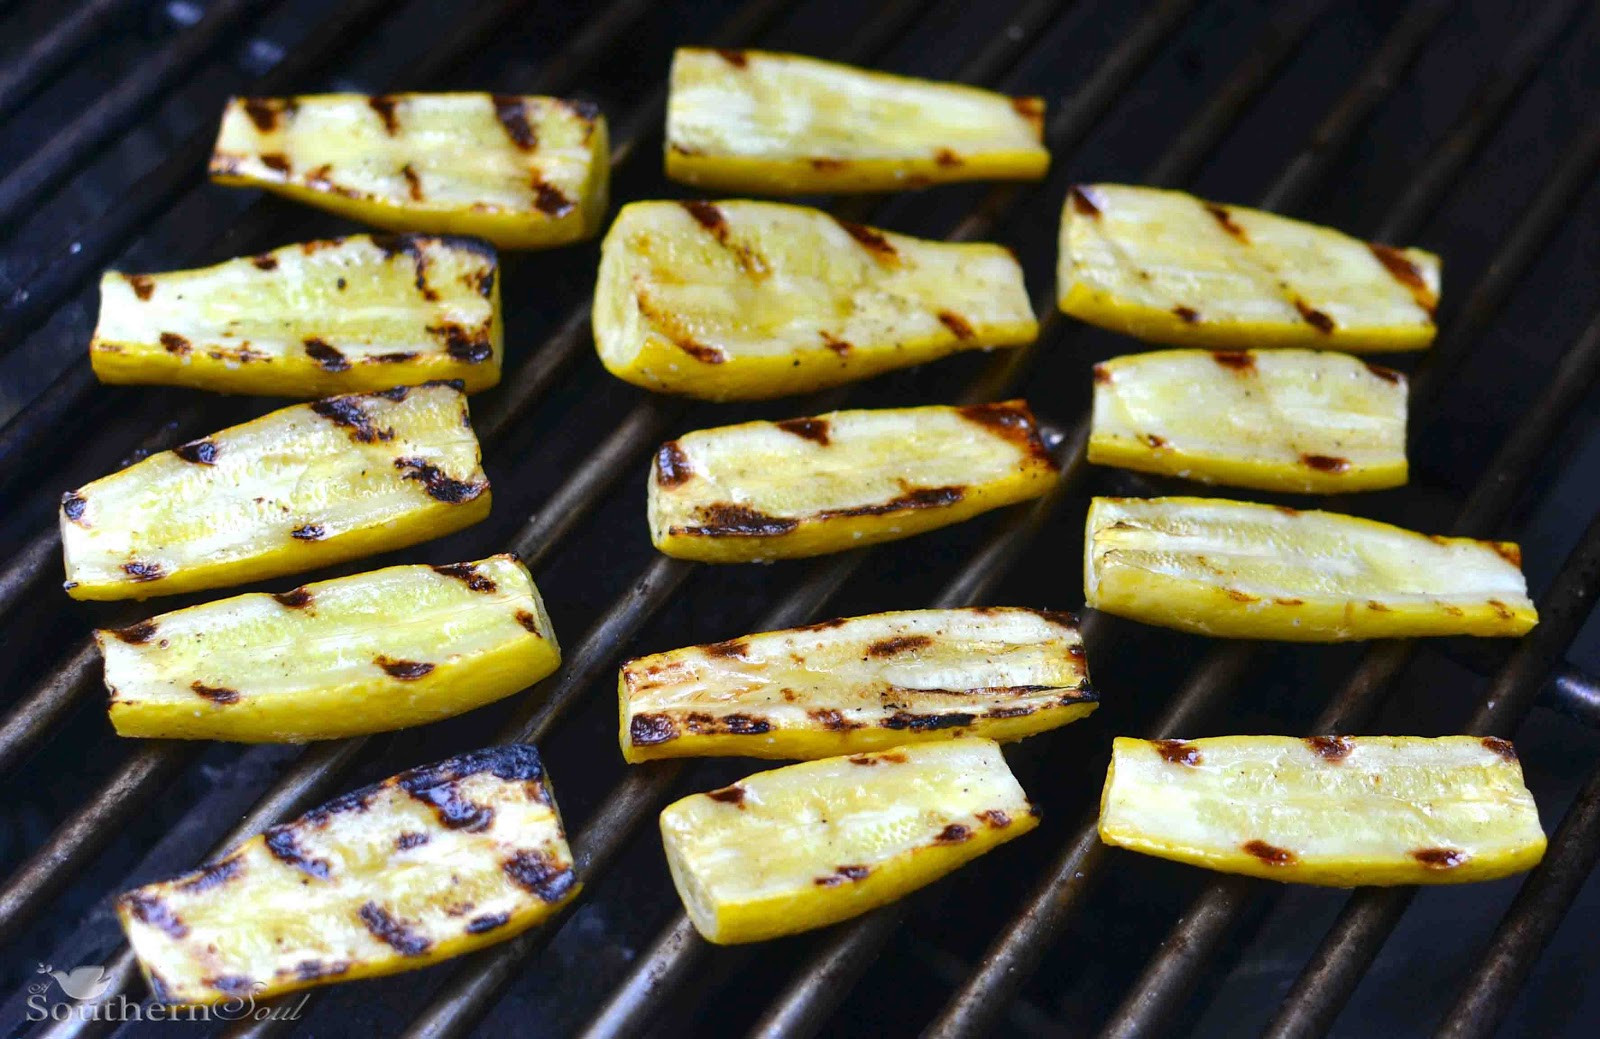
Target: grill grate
<point>802,988</point>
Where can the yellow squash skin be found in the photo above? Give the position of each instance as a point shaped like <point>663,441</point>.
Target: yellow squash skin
<point>1171,268</point>
<point>812,844</point>
<point>521,172</point>
<point>1304,421</point>
<point>377,651</point>
<point>303,487</point>
<point>809,486</point>
<point>430,864</point>
<point>1240,570</point>
<point>1339,811</point>
<point>859,684</point>
<point>783,124</point>
<point>348,315</point>
<point>744,300</point>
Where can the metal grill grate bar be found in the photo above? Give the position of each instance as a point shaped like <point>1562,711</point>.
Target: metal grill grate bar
<point>54,49</point>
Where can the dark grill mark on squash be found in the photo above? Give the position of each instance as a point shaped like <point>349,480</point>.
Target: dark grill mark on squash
<point>136,634</point>
<point>955,833</point>
<point>348,413</point>
<point>294,598</point>
<point>328,357</point>
<point>439,486</point>
<point>737,58</point>
<point>174,343</point>
<point>892,757</point>
<point>549,199</point>
<point>837,345</point>
<point>1012,420</point>
<point>842,874</point>
<point>947,158</point>
<point>807,429</point>
<point>729,795</point>
<point>1031,109</point>
<point>1386,374</point>
<point>1408,274</point>
<point>1228,224</point>
<point>871,240</point>
<point>263,111</point>
<point>535,871</point>
<point>726,520</point>
<point>1325,463</point>
<point>826,165</point>
<point>528,622</point>
<point>645,730</point>
<point>214,875</point>
<point>469,345</point>
<point>1188,315</point>
<point>702,724</point>
<point>1270,854</point>
<point>384,105</point>
<point>216,694</point>
<point>1102,375</point>
<point>1178,752</point>
<point>1501,610</point>
<point>410,839</point>
<point>957,324</point>
<point>198,452</point>
<point>443,795</point>
<point>392,931</point>
<point>413,182</point>
<point>707,216</point>
<point>672,465</point>
<point>1083,201</point>
<point>513,115</point>
<point>1314,317</point>
<point>229,984</point>
<point>284,846</point>
<point>153,910</point>
<point>404,670</point>
<point>833,720</point>
<point>1153,441</point>
<point>139,571</point>
<point>468,574</point>
<point>1239,361</point>
<point>142,284</point>
<point>911,500</point>
<point>265,262</point>
<point>311,970</point>
<point>398,357</point>
<point>309,532</point>
<point>994,818</point>
<point>1330,748</point>
<point>1501,747</point>
<point>899,644</point>
<point>488,922</point>
<point>1009,712</point>
<point>1509,551</point>
<point>1440,858</point>
<point>732,648</point>
<point>905,720</point>
<point>73,504</point>
<point>276,161</point>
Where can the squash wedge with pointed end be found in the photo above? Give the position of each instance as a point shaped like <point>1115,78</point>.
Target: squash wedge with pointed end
<point>859,684</point>
<point>1240,570</point>
<point>521,172</point>
<point>1306,421</point>
<point>377,651</point>
<point>783,124</point>
<point>1171,268</point>
<point>302,487</point>
<point>812,844</point>
<point>744,300</point>
<point>430,864</point>
<point>1335,810</point>
<point>810,486</point>
<point>347,315</point>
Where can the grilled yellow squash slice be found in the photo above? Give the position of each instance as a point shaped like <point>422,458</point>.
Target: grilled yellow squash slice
<point>819,842</point>
<point>1240,570</point>
<point>741,300</point>
<point>522,172</point>
<point>296,489</point>
<point>310,320</point>
<point>1280,420</point>
<point>429,864</point>
<point>1172,268</point>
<point>378,651</point>
<point>809,486</point>
<point>1335,810</point>
<point>862,683</point>
<point>782,124</point>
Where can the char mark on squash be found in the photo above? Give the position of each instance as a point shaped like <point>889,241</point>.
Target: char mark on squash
<point>392,931</point>
<point>906,720</point>
<point>294,598</point>
<point>347,413</point>
<point>468,574</point>
<point>439,486</point>
<point>1314,317</point>
<point>807,429</point>
<point>1225,220</point>
<point>672,465</point>
<point>955,833</point>
<point>470,345</point>
<point>724,519</point>
<point>537,872</point>
<point>73,504</point>
<point>153,910</point>
<point>1240,362</point>
<point>141,571</point>
<point>1270,854</point>
<point>729,795</point>
<point>1330,748</point>
<point>265,262</point>
<point>737,58</point>
<point>1501,747</point>
<point>870,239</point>
<point>309,532</point>
<point>1178,752</point>
<point>216,694</point>
<point>1325,463</point>
<point>1012,420</point>
<point>1083,201</point>
<point>263,112</point>
<point>384,105</point>
<point>1408,274</point>
<point>899,644</point>
<point>645,730</point>
<point>513,116</point>
<point>404,670</point>
<point>142,284</point>
<point>136,634</point>
<point>175,344</point>
<point>285,847</point>
<point>958,325</point>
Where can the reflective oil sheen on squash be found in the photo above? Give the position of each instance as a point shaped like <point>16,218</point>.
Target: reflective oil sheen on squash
<point>521,172</point>
<point>299,488</point>
<point>809,845</point>
<point>1240,570</point>
<point>310,320</point>
<point>741,300</point>
<point>809,486</point>
<point>783,124</point>
<point>1171,268</point>
<point>430,864</point>
<point>377,651</point>
<point>1308,421</point>
<point>858,684</point>
<point>1335,810</point>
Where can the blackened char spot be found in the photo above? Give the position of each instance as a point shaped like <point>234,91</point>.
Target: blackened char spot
<point>734,648</point>
<point>348,413</point>
<point>263,111</point>
<point>439,486</point>
<point>410,839</point>
<point>136,634</point>
<point>1083,201</point>
<point>1153,440</point>
<point>842,874</point>
<point>1012,420</point>
<point>513,115</point>
<point>672,465</point>
<point>488,922</point>
<point>1102,375</point>
<point>807,429</point>
<point>73,504</point>
<point>174,343</point>
<point>309,532</point>
<point>1325,463</point>
<point>413,182</point>
<point>1386,374</point>
<point>284,846</point>
<point>1178,752</point>
<point>467,573</point>
<point>528,621</point>
<point>646,730</point>
<point>727,520</point>
<point>1406,273</point>
<point>404,670</point>
<point>955,833</point>
<point>199,452</point>
<point>899,644</point>
<point>994,818</point>
<point>956,324</point>
<point>708,216</point>
<point>143,285</point>
<point>745,725</point>
<point>833,720</point>
<point>1440,858</point>
<point>397,357</point>
<point>1331,748</point>
<point>549,199</point>
<point>537,872</point>
<point>1031,109</point>
<point>444,797</point>
<point>311,970</point>
<point>1501,747</point>
<point>737,58</point>
<point>925,722</point>
<point>384,105</point>
<point>1238,360</point>
<point>1270,854</point>
<point>153,910</point>
<point>216,694</point>
<point>1224,218</point>
<point>294,598</point>
<point>265,262</point>
<point>229,984</point>
<point>701,352</point>
<point>393,931</point>
<point>893,757</point>
<point>469,345</point>
<point>208,877</point>
<point>837,345</point>
<point>1314,317</point>
<point>916,498</point>
<point>276,161</point>
<point>1188,315</point>
<point>871,239</point>
<point>728,795</point>
<point>139,571</point>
